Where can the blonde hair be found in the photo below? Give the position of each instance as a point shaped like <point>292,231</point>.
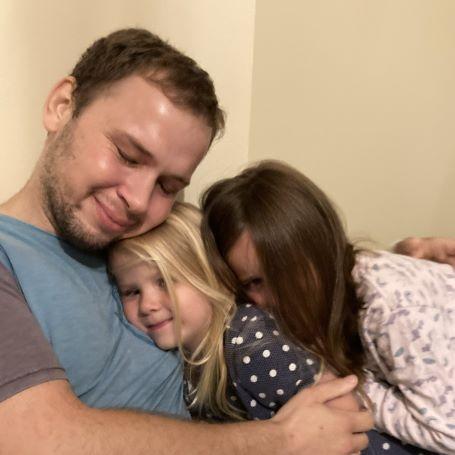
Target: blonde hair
<point>177,250</point>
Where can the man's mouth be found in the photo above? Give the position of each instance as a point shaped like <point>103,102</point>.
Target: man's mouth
<point>111,220</point>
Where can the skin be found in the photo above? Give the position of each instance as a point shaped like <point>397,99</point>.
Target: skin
<point>148,305</point>
<point>114,171</point>
<point>432,248</point>
<point>243,260</point>
<point>109,197</point>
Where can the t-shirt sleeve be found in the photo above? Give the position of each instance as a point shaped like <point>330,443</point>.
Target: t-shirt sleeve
<point>265,368</point>
<point>26,357</point>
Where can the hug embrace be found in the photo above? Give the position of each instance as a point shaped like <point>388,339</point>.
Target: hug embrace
<point>123,312</point>
<point>318,307</point>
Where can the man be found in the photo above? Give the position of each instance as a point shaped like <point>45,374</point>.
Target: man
<point>124,134</point>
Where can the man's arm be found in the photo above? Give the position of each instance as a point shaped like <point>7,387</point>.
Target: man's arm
<point>48,419</point>
<point>40,414</point>
<point>431,248</point>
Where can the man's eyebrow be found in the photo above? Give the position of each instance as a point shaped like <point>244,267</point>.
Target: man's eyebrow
<point>137,145</point>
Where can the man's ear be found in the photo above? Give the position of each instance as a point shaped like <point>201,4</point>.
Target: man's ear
<point>58,108</point>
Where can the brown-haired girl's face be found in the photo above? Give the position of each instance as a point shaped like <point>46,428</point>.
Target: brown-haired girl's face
<point>244,262</point>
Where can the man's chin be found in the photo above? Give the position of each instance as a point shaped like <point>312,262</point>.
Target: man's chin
<point>91,244</point>
<point>86,240</point>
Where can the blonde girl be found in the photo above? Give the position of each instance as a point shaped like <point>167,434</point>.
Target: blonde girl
<point>169,291</point>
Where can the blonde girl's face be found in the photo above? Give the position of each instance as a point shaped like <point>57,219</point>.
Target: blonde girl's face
<point>148,306</point>
<point>244,262</point>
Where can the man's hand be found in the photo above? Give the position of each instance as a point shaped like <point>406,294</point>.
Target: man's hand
<point>311,427</point>
<point>431,248</point>
<point>347,402</point>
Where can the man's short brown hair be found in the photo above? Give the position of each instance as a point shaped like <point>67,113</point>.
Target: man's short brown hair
<point>138,51</point>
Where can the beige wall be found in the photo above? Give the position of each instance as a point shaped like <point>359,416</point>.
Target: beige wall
<point>42,40</point>
<point>360,95</point>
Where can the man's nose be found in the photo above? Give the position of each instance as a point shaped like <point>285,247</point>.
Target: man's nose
<point>137,191</point>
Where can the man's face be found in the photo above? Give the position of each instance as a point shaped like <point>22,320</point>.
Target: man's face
<point>114,171</point>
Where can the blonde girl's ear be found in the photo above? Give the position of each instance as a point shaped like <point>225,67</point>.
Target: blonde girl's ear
<point>58,108</point>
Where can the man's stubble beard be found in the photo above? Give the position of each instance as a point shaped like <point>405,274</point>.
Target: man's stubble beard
<point>61,213</point>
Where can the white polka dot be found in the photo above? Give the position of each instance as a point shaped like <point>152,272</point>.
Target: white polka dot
<point>298,382</point>
<point>309,361</point>
<point>276,333</point>
<point>285,348</point>
<point>254,318</point>
<point>272,404</point>
<point>258,335</point>
<point>248,305</point>
<point>239,340</point>
<point>244,318</point>
<point>253,403</point>
<point>253,378</point>
<point>262,395</point>
<point>233,398</point>
<point>234,340</point>
<point>292,367</point>
<point>386,446</point>
<point>280,392</point>
<point>272,413</point>
<point>266,353</point>
<point>246,360</point>
<point>272,373</point>
<point>234,384</point>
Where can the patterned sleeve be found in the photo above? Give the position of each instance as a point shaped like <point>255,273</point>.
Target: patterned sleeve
<point>409,333</point>
<point>265,368</point>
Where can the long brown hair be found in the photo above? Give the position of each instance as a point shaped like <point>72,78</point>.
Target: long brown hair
<point>304,252</point>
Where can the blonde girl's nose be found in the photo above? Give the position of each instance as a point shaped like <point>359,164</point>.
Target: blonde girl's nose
<point>149,302</point>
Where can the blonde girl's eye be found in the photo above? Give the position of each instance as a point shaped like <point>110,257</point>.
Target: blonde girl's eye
<point>129,293</point>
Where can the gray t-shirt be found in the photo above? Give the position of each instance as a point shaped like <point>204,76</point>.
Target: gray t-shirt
<point>26,358</point>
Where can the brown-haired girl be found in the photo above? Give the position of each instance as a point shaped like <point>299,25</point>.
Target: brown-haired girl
<point>275,238</point>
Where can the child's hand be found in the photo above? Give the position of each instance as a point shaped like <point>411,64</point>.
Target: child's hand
<point>346,402</point>
<point>432,248</point>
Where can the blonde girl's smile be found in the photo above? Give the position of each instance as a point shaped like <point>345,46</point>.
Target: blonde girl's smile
<point>148,305</point>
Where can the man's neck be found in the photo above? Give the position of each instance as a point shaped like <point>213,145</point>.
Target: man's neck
<point>26,206</point>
